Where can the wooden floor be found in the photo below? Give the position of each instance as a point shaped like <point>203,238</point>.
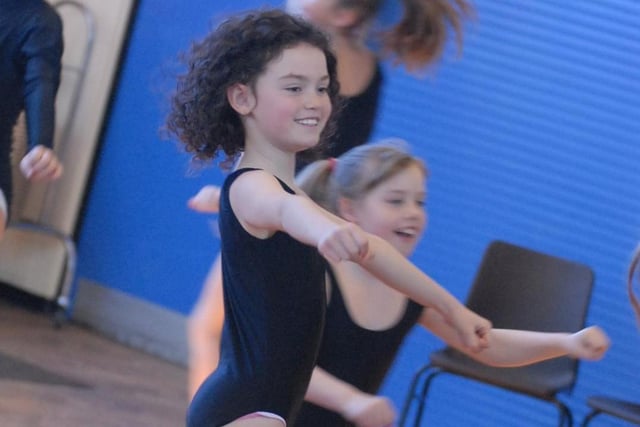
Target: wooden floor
<point>71,376</point>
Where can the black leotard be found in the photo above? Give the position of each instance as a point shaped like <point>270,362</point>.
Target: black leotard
<point>356,118</point>
<point>274,301</point>
<point>358,356</point>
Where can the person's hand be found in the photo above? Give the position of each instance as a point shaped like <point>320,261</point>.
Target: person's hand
<point>366,410</point>
<point>472,328</point>
<point>41,164</point>
<point>207,200</point>
<point>590,343</point>
<point>345,242</point>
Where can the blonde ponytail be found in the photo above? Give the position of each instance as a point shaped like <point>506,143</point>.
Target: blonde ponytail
<point>315,181</point>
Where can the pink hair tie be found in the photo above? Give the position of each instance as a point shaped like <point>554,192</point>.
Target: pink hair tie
<point>332,163</point>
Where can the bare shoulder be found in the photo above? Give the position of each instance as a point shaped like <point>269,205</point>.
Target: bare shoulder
<point>256,198</point>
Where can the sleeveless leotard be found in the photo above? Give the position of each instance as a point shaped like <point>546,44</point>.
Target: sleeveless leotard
<point>274,301</point>
<point>356,118</point>
<point>356,355</point>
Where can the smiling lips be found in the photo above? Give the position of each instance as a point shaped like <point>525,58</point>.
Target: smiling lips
<point>409,232</point>
<point>309,121</point>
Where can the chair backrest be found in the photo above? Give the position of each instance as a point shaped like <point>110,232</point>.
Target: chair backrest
<point>518,288</point>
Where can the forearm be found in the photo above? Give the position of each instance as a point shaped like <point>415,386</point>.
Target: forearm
<point>43,50</point>
<point>329,392</point>
<point>40,115</point>
<point>396,271</point>
<point>511,348</point>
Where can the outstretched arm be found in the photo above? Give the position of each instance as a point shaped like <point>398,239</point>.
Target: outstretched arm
<point>272,209</point>
<point>509,348</point>
<point>204,329</point>
<point>396,271</point>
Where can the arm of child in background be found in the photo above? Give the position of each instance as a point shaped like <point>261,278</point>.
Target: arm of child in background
<point>272,209</point>
<point>204,329</point>
<point>397,271</point>
<point>207,200</point>
<point>41,164</point>
<point>509,348</point>
<point>42,51</point>
<point>362,409</point>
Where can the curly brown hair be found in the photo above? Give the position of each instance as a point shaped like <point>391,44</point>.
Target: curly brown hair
<point>237,51</point>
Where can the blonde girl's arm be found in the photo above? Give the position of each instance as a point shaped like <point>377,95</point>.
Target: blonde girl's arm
<point>356,406</point>
<point>204,329</point>
<point>396,271</point>
<point>510,348</point>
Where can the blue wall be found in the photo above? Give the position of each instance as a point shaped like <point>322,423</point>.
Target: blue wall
<point>532,136</point>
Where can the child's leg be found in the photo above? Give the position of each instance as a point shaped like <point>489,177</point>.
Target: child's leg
<point>258,419</point>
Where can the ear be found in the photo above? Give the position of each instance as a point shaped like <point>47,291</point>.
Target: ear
<point>241,99</point>
<point>347,209</point>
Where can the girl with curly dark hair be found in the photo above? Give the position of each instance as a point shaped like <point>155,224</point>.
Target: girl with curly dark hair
<point>416,41</point>
<point>263,85</point>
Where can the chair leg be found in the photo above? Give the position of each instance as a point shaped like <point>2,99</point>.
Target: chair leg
<point>410,394</point>
<point>589,417</point>
<point>565,414</point>
<point>66,285</point>
<point>422,397</point>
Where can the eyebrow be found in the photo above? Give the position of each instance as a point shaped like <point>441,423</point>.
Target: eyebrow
<point>420,193</point>
<point>301,77</point>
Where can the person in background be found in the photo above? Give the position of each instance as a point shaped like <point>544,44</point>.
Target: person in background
<point>31,48</point>
<point>381,188</point>
<point>416,41</point>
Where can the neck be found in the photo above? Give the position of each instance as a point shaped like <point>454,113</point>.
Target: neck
<point>267,157</point>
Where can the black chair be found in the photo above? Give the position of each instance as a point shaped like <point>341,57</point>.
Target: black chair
<point>617,408</point>
<point>517,288</point>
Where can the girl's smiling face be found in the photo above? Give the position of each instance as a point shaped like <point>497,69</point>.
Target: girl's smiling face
<point>394,210</point>
<point>292,104</point>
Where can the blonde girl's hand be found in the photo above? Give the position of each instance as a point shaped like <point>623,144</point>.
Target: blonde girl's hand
<point>207,200</point>
<point>41,164</point>
<point>590,344</point>
<point>366,410</point>
<point>472,328</point>
<point>345,242</point>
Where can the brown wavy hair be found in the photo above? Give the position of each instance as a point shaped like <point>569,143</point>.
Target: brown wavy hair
<point>237,51</point>
<point>420,36</point>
